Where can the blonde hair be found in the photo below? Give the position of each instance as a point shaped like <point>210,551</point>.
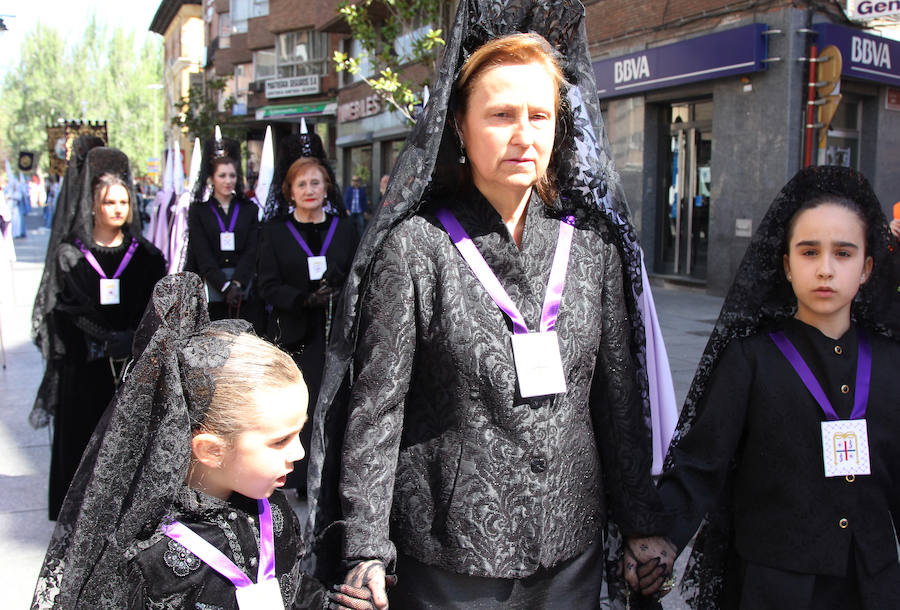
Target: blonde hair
<point>252,363</point>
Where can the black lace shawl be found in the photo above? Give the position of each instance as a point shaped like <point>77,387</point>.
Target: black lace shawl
<point>72,219</point>
<point>761,297</point>
<point>292,148</point>
<point>587,182</point>
<point>138,458</point>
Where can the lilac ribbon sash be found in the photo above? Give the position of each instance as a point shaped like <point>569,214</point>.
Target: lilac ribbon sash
<point>89,256</point>
<point>489,280</point>
<point>217,560</point>
<point>863,374</point>
<point>231,223</point>
<point>302,242</point>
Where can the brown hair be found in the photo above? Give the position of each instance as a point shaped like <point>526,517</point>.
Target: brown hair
<point>514,49</point>
<point>217,161</point>
<point>298,167</point>
<point>252,363</point>
<point>102,183</point>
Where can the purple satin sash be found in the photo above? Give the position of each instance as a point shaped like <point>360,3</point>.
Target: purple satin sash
<point>489,280</point>
<point>217,560</point>
<point>863,374</point>
<point>231,223</point>
<point>129,254</point>
<point>302,242</point>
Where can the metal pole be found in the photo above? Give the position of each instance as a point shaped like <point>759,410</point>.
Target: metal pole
<point>809,125</point>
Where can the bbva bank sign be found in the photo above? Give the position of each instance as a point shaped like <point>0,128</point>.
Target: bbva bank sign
<point>716,55</point>
<point>864,56</point>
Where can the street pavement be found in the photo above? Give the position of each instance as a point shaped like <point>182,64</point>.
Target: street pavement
<point>686,317</point>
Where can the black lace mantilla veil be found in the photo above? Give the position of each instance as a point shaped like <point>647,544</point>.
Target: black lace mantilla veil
<point>588,185</point>
<point>761,297</point>
<point>212,148</point>
<point>290,149</point>
<point>138,459</point>
<point>72,219</point>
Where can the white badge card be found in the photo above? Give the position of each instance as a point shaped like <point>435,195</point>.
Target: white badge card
<point>538,364</point>
<point>109,292</point>
<point>226,241</point>
<point>265,595</point>
<point>845,447</point>
<point>317,267</point>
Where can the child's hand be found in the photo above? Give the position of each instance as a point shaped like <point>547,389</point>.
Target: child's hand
<point>365,587</point>
<point>648,564</point>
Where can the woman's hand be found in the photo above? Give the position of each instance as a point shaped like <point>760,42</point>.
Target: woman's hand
<point>647,565</point>
<point>367,577</point>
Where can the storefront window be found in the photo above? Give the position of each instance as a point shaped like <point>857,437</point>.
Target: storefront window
<point>300,53</point>
<point>842,143</point>
<point>243,76</point>
<point>358,162</point>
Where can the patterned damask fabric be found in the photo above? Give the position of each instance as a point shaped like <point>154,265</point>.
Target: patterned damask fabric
<point>760,298</point>
<point>485,482</point>
<point>165,571</point>
<point>588,186</point>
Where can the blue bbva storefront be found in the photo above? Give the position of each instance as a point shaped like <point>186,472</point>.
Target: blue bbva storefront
<point>706,130</point>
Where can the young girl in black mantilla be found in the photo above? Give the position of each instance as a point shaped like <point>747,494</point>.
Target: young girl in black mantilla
<point>788,439</point>
<point>176,503</point>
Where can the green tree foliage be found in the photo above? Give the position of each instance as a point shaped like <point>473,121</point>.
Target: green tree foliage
<point>394,34</point>
<point>198,112</point>
<point>103,76</point>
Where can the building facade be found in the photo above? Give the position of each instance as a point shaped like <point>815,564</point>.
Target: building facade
<point>180,23</point>
<point>705,104</point>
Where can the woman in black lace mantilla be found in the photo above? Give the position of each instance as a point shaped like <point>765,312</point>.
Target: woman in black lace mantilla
<point>431,461</point>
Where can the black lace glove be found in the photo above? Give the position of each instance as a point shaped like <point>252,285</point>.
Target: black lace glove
<point>648,564</point>
<point>233,294</point>
<point>320,297</point>
<point>118,345</point>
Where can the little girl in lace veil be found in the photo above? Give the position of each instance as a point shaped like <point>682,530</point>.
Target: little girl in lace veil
<point>176,502</point>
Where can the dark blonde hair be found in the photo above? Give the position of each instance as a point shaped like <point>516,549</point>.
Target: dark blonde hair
<point>298,167</point>
<point>101,185</point>
<point>514,49</point>
<point>252,363</point>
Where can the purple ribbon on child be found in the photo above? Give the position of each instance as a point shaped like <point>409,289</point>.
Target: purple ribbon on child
<point>89,256</point>
<point>217,560</point>
<point>302,242</point>
<point>489,280</point>
<point>218,216</point>
<point>863,374</point>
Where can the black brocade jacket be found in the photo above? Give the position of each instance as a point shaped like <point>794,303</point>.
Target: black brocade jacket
<point>758,412</point>
<point>442,457</point>
<point>204,256</point>
<point>163,574</point>
<point>284,274</point>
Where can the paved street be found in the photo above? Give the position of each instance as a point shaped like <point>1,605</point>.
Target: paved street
<point>686,316</point>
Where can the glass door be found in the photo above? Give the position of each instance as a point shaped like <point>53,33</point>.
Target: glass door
<point>684,218</point>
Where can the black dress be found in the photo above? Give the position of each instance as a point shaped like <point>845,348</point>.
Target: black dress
<point>295,324</point>
<point>801,540</point>
<point>161,573</point>
<point>206,258</point>
<point>91,332</point>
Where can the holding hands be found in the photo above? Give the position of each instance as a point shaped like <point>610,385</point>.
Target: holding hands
<point>647,565</point>
<point>364,588</point>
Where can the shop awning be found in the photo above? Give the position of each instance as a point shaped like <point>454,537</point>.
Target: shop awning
<point>288,111</point>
